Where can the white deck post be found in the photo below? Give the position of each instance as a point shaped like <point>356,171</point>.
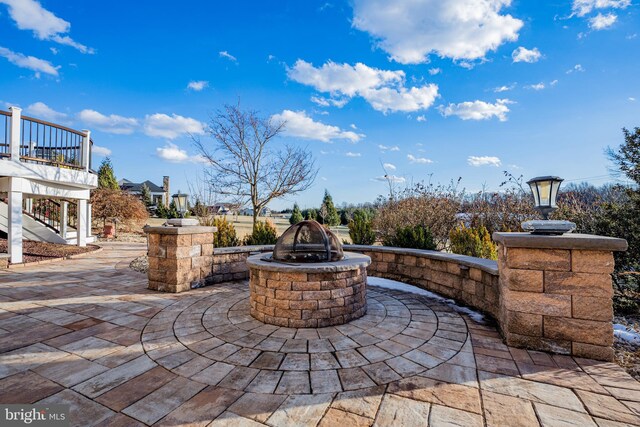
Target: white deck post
<point>14,134</point>
<point>64,218</point>
<point>86,149</point>
<point>82,222</point>
<point>89,219</point>
<point>15,220</point>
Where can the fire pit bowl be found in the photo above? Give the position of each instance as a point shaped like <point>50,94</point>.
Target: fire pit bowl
<point>286,289</point>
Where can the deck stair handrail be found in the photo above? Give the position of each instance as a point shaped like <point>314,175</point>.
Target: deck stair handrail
<point>49,213</point>
<point>45,142</point>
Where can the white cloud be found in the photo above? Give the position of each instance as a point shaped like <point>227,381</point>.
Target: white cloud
<point>419,160</point>
<point>631,99</point>
<point>174,154</point>
<point>576,68</point>
<point>584,7</point>
<point>553,82</point>
<point>197,85</point>
<point>53,50</point>
<point>537,86</point>
<point>353,126</point>
<point>523,54</point>
<point>435,71</point>
<point>352,154</point>
<point>112,124</point>
<point>30,15</point>
<point>29,62</point>
<point>412,30</point>
<point>329,102</point>
<point>385,90</point>
<point>389,166</point>
<point>298,124</point>
<point>227,55</point>
<point>602,22</point>
<point>421,118</point>
<point>392,178</point>
<point>504,88</point>
<point>414,99</point>
<point>385,148</point>
<point>171,127</point>
<point>478,110</point>
<point>483,161</point>
<point>100,151</point>
<point>40,110</point>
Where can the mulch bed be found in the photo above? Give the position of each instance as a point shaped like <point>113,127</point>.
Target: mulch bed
<point>41,251</point>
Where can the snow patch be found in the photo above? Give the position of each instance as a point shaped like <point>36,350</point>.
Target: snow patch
<point>626,334</point>
<point>399,286</point>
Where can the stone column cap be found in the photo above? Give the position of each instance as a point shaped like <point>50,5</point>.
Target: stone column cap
<point>179,230</point>
<point>588,242</point>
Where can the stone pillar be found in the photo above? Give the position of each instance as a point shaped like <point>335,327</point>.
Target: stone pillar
<point>556,292</point>
<point>179,257</point>
<point>14,225</point>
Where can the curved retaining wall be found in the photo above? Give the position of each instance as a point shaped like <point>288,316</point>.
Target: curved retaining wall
<point>472,281</point>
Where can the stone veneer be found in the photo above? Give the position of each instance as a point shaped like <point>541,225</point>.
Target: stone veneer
<point>556,292</point>
<point>551,293</point>
<point>308,295</point>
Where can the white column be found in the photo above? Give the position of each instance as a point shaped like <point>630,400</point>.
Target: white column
<point>64,218</point>
<point>15,220</point>
<point>14,133</point>
<point>81,227</point>
<point>89,219</point>
<point>86,149</point>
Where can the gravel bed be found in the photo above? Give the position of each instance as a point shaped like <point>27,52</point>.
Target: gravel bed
<point>140,264</point>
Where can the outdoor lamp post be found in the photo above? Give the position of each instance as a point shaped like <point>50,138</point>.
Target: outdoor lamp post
<point>180,200</point>
<point>545,192</point>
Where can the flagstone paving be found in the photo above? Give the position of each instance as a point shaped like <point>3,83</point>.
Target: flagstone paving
<point>87,332</point>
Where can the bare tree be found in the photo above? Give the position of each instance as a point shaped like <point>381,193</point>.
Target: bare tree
<point>245,164</point>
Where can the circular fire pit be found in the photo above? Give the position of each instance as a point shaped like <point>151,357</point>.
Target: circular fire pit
<point>308,281</point>
<point>308,295</point>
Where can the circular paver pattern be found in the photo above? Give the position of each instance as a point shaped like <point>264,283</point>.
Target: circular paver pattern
<point>210,337</point>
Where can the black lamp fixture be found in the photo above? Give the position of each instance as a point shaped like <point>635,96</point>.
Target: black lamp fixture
<point>180,200</point>
<point>545,193</point>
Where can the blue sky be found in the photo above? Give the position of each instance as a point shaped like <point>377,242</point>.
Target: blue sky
<point>434,90</point>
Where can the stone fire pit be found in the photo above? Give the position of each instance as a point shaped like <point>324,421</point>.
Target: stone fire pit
<point>308,281</point>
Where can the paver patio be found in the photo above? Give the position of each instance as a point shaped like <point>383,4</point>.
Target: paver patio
<point>87,332</point>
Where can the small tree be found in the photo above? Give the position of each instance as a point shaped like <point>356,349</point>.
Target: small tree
<point>328,213</point>
<point>117,206</point>
<point>361,230</point>
<point>264,233</point>
<point>226,234</point>
<point>411,236</point>
<point>296,215</point>
<point>311,214</point>
<point>146,195</point>
<point>106,177</point>
<point>244,162</point>
<point>474,242</point>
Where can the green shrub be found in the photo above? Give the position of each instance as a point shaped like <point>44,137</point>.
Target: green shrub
<point>473,241</point>
<point>296,215</point>
<point>361,229</point>
<point>264,233</point>
<point>226,234</point>
<point>412,236</point>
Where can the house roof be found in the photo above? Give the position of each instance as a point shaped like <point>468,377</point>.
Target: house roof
<point>137,187</point>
